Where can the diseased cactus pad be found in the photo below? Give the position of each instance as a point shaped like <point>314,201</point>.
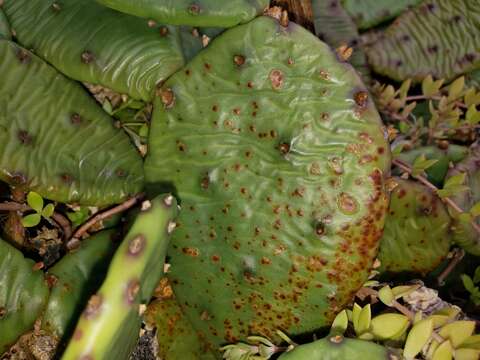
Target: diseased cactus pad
<point>416,236</point>
<point>278,155</point>
<point>55,139</point>
<point>195,13</point>
<point>438,37</point>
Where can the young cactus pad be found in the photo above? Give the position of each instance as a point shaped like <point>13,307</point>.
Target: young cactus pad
<point>194,13</point>
<point>369,13</point>
<point>110,323</point>
<point>417,229</point>
<point>278,155</point>
<point>419,42</point>
<point>464,233</point>
<point>55,139</point>
<point>339,348</point>
<point>91,43</point>
<point>23,295</point>
<point>73,278</point>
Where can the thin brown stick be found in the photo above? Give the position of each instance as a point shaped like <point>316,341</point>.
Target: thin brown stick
<point>82,230</point>
<point>457,257</point>
<point>407,168</point>
<point>403,309</point>
<point>437,98</point>
<point>61,220</point>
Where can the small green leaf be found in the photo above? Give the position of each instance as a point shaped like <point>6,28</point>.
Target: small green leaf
<point>472,97</point>
<point>388,326</point>
<point>357,309</point>
<point>455,89</point>
<point>31,220</point>
<point>404,290</point>
<point>385,294</point>
<point>443,352</point>
<point>472,342</point>
<point>475,210</point>
<point>48,210</point>
<point>428,86</point>
<point>457,332</point>
<point>340,324</point>
<point>417,338</point>
<point>35,201</point>
<point>473,115</point>
<point>421,163</point>
<point>107,107</point>
<point>143,132</point>
<point>467,354</point>
<point>364,320</point>
<point>458,179</point>
<point>452,190</point>
<point>476,276</point>
<point>403,91</point>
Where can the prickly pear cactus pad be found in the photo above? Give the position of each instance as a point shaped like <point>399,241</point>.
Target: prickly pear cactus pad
<point>23,294</point>
<point>419,42</point>
<point>110,323</point>
<point>339,348</point>
<point>416,235</point>
<point>278,157</point>
<point>194,13</point>
<point>73,278</point>
<point>176,337</point>
<point>334,26</point>
<point>55,140</point>
<point>92,43</point>
<point>463,232</point>
<point>368,13</point>
<point>4,26</point>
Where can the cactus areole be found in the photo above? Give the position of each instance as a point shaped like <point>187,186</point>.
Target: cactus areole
<point>279,162</point>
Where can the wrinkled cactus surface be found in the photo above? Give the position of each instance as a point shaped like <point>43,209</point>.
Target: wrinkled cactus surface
<point>55,139</point>
<point>419,42</point>
<point>89,42</point>
<point>194,13</point>
<point>278,156</point>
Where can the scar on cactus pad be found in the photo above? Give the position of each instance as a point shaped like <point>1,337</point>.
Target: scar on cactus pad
<point>279,168</point>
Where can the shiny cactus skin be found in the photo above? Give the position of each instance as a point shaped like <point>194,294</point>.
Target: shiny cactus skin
<point>76,276</point>
<point>176,336</point>
<point>417,229</point>
<point>339,348</point>
<point>109,325</point>
<point>194,13</point>
<point>23,295</point>
<point>94,44</point>
<point>282,188</point>
<point>56,140</point>
<point>419,42</point>
<point>5,31</point>
<point>334,26</point>
<point>369,13</point>
<point>463,232</point>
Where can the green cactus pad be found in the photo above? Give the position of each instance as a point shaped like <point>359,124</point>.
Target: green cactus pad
<point>334,26</point>
<point>4,26</point>
<point>110,323</point>
<point>23,295</point>
<point>464,233</point>
<point>419,42</point>
<point>91,43</point>
<point>55,139</point>
<point>194,13</point>
<point>416,235</point>
<point>437,172</point>
<point>278,156</point>
<point>338,348</point>
<point>73,279</point>
<point>176,337</point>
<point>369,13</point>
